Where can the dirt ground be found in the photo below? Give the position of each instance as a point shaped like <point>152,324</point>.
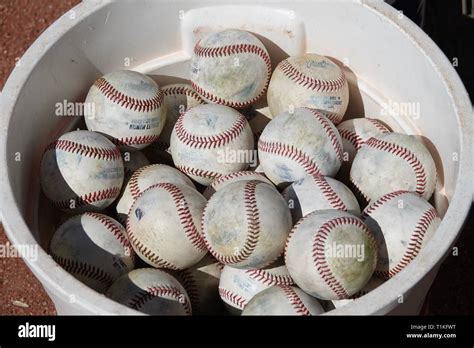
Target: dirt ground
<point>21,22</point>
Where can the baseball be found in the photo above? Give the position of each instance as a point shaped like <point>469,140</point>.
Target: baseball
<point>354,133</point>
<point>238,286</point>
<point>283,300</point>
<point>245,224</point>
<point>152,292</point>
<point>309,80</point>
<point>94,248</point>
<point>393,162</point>
<point>338,251</point>
<point>233,177</point>
<point>373,283</point>
<point>230,67</point>
<point>132,161</point>
<point>209,141</point>
<point>178,98</point>
<point>145,177</point>
<point>201,282</point>
<point>316,192</point>
<point>295,145</point>
<point>164,226</point>
<point>128,107</point>
<point>81,171</point>
<point>402,223</point>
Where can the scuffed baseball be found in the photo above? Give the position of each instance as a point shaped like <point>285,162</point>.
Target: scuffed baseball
<point>233,177</point>
<point>201,282</point>
<point>393,162</point>
<point>209,141</point>
<point>152,292</point>
<point>178,98</point>
<point>230,67</point>
<point>128,107</point>
<point>94,248</point>
<point>283,300</point>
<point>402,223</point>
<point>295,145</point>
<point>132,160</point>
<point>309,80</point>
<point>238,286</point>
<point>164,226</point>
<point>245,224</point>
<point>354,133</point>
<point>331,254</point>
<point>81,171</point>
<point>316,192</point>
<point>145,177</point>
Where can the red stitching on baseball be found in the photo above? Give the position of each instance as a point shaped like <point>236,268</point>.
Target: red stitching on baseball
<point>133,182</point>
<point>183,90</point>
<point>331,195</point>
<point>135,104</point>
<point>414,245</point>
<point>112,227</point>
<point>319,256</point>
<point>291,152</point>
<point>309,82</point>
<point>199,172</point>
<point>209,141</point>
<point>159,291</point>
<point>253,228</point>
<point>135,140</point>
<point>232,297</point>
<point>379,125</point>
<point>234,175</point>
<point>333,117</point>
<point>184,214</point>
<point>212,52</point>
<point>268,278</point>
<point>328,128</point>
<point>188,282</point>
<point>406,155</point>
<point>84,269</point>
<point>379,202</point>
<point>89,198</point>
<point>295,301</point>
<point>84,150</point>
<point>351,137</point>
<point>356,141</point>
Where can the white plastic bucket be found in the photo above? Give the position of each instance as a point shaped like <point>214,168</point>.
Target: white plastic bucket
<point>390,59</point>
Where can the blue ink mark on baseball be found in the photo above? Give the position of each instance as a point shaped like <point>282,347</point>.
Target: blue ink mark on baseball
<point>139,213</point>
